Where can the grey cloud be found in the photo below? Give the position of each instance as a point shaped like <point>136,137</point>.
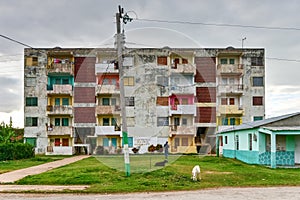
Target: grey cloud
<point>10,94</point>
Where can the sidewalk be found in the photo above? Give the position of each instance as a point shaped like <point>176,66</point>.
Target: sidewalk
<point>16,175</point>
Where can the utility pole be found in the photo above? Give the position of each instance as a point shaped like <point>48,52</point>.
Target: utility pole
<point>120,43</point>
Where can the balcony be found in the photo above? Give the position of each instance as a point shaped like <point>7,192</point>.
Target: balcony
<point>107,130</point>
<point>184,68</point>
<point>60,130</point>
<point>182,130</point>
<point>64,67</point>
<point>59,110</point>
<point>107,89</point>
<point>182,110</point>
<point>108,110</point>
<point>225,69</point>
<point>230,109</point>
<point>182,89</point>
<point>60,89</point>
<point>106,68</point>
<point>232,89</point>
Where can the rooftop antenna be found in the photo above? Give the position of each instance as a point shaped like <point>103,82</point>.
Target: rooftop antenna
<point>243,42</point>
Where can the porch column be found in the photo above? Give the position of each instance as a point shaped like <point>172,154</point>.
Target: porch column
<point>273,150</point>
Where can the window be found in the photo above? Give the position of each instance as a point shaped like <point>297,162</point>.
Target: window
<point>184,142</point>
<point>130,142</point>
<point>65,81</point>
<point>31,141</point>
<point>224,121</point>
<point>237,144</point>
<point>65,142</point>
<point>57,142</point>
<point>258,81</point>
<point>257,61</point>
<point>57,101</point>
<point>250,141</point>
<point>162,60</point>
<point>231,61</point>
<point>224,81</point>
<point>184,101</point>
<point>226,139</point>
<point>113,101</point>
<point>184,121</point>
<point>65,101</point>
<point>232,121</point>
<point>176,121</point>
<point>31,121</point>
<point>114,122</point>
<point>130,121</point>
<point>57,121</point>
<point>105,81</point>
<point>30,82</point>
<point>31,101</point>
<point>105,142</point>
<point>257,118</point>
<point>105,122</point>
<point>162,81</point>
<point>128,81</point>
<point>223,101</point>
<point>223,61</point>
<point>162,121</point>
<point>231,81</point>
<point>65,122</point>
<point>184,61</point>
<point>231,101</point>
<point>257,101</point>
<point>129,101</point>
<point>31,61</point>
<point>105,101</point>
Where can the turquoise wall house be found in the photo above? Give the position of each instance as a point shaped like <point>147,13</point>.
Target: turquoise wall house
<point>274,142</point>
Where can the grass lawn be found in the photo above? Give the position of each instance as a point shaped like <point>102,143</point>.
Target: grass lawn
<point>10,165</point>
<point>105,174</point>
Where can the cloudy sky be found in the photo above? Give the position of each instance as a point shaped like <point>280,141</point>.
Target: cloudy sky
<point>91,23</point>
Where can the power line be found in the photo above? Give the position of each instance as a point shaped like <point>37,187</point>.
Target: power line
<point>13,40</point>
<point>219,24</point>
<point>283,59</point>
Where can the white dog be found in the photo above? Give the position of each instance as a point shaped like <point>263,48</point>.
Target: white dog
<point>196,173</point>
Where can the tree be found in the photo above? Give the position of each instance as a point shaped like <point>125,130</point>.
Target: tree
<point>7,133</point>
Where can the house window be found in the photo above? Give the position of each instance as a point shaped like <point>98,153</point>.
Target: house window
<point>129,101</point>
<point>250,142</point>
<point>257,118</point>
<point>105,122</point>
<point>30,82</point>
<point>65,121</point>
<point>184,142</point>
<point>128,81</point>
<point>57,141</point>
<point>224,81</point>
<point>184,101</point>
<point>232,121</point>
<point>176,121</point>
<point>223,61</point>
<point>226,139</point>
<point>31,141</point>
<point>162,60</point>
<point>231,61</point>
<point>114,122</point>
<point>65,81</point>
<point>105,142</point>
<point>113,101</point>
<point>223,101</point>
<point>105,81</point>
<point>257,81</point>
<point>162,121</point>
<point>231,101</point>
<point>105,101</point>
<point>237,143</point>
<point>57,121</point>
<point>57,101</point>
<point>162,81</point>
<point>65,142</point>
<point>130,121</point>
<point>257,61</point>
<point>257,101</point>
<point>184,121</point>
<point>130,142</point>
<point>224,121</point>
<point>184,61</point>
<point>31,121</point>
<point>31,101</point>
<point>65,101</point>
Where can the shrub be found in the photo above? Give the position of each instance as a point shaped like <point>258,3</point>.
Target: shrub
<point>159,148</point>
<point>16,151</point>
<point>151,148</point>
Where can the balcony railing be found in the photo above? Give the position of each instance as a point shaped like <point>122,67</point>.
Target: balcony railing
<point>59,130</point>
<point>106,68</point>
<point>108,130</point>
<point>182,110</point>
<point>60,110</point>
<point>107,89</point>
<point>108,110</point>
<point>188,68</point>
<point>182,130</point>
<point>230,109</point>
<point>67,67</point>
<point>60,89</point>
<point>230,69</point>
<point>177,89</point>
<point>236,89</point>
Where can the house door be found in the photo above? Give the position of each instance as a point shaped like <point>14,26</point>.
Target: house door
<point>297,149</point>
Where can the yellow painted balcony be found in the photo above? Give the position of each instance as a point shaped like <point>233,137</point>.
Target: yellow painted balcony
<point>60,130</point>
<point>182,130</point>
<point>108,110</point>
<point>188,68</point>
<point>230,109</point>
<point>59,110</point>
<point>61,89</point>
<point>67,67</point>
<point>107,89</point>
<point>230,69</point>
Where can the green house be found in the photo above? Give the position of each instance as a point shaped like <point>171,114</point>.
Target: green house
<point>274,141</point>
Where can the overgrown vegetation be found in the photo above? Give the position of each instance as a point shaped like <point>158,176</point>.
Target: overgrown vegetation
<point>216,172</point>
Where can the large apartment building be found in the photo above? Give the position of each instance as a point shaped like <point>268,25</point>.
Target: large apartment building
<point>180,95</point>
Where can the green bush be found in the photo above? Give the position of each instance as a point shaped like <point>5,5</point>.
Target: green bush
<point>16,151</point>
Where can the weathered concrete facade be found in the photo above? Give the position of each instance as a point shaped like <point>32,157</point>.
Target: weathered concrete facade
<point>179,95</point>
